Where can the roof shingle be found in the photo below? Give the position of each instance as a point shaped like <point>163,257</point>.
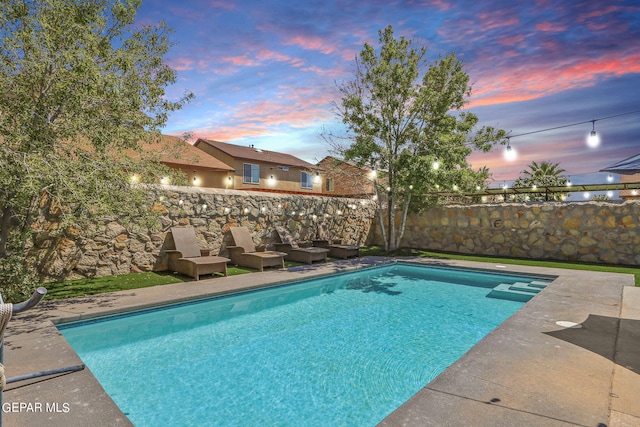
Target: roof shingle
<point>256,154</point>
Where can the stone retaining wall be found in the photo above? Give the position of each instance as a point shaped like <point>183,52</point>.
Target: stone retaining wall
<point>110,248</point>
<point>601,232</point>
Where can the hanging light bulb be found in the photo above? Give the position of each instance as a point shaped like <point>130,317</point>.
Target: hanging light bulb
<point>510,153</point>
<point>593,140</point>
<point>569,184</point>
<point>610,178</point>
<point>436,164</point>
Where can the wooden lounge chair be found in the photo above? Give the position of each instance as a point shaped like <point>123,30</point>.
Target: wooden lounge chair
<point>186,257</point>
<point>296,252</point>
<point>244,252</point>
<point>336,248</point>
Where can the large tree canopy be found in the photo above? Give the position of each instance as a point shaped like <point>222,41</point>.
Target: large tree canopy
<point>81,88</point>
<point>403,116</point>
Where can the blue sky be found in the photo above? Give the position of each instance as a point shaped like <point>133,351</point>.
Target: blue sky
<point>265,72</point>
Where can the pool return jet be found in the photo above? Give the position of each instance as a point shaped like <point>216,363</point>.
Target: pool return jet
<point>6,311</point>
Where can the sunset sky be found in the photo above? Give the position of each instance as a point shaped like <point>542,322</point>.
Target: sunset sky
<point>264,72</point>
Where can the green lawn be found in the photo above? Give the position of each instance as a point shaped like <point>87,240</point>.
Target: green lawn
<point>92,286</point>
<point>99,285</point>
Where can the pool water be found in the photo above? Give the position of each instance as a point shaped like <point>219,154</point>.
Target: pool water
<point>344,350</point>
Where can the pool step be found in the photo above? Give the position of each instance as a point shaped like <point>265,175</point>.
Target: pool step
<point>518,291</point>
<point>526,287</point>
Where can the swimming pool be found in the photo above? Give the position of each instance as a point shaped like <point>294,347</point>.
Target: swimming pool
<point>340,350</point>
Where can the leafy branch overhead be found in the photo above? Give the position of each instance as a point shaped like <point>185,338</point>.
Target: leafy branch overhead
<point>81,91</point>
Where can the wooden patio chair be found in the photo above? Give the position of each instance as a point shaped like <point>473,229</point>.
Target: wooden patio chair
<point>186,257</point>
<point>295,252</point>
<point>335,246</point>
<point>244,252</point>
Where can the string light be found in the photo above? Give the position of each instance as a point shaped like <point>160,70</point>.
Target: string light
<point>569,125</point>
<point>593,140</point>
<point>436,164</point>
<point>510,153</point>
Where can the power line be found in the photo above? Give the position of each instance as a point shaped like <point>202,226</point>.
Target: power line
<point>574,124</point>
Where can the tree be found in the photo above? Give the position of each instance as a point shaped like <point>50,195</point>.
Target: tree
<point>545,174</point>
<point>80,90</point>
<point>402,118</point>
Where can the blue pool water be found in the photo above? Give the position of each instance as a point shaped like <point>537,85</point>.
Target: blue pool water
<point>344,350</point>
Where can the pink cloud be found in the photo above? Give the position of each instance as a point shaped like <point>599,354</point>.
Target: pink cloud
<point>439,4</point>
<point>599,12</point>
<point>222,4</point>
<point>240,61</point>
<point>532,81</point>
<point>550,27</point>
<point>490,21</point>
<point>511,40</point>
<point>181,63</point>
<point>312,43</point>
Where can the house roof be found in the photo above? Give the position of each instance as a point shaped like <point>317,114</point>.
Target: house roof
<point>256,154</point>
<point>176,151</point>
<point>628,166</point>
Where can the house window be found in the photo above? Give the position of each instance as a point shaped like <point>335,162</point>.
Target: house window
<point>329,184</point>
<point>251,174</point>
<point>306,180</point>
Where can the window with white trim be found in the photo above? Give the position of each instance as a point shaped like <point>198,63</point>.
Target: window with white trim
<point>306,180</point>
<point>251,174</point>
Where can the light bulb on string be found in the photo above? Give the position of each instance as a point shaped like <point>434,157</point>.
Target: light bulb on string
<point>509,153</point>
<point>593,140</point>
<point>436,164</point>
<point>610,178</point>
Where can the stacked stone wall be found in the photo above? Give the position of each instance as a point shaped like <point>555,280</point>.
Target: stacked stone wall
<point>600,232</point>
<point>109,247</point>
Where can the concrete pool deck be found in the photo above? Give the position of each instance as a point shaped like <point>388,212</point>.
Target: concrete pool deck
<point>529,371</point>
